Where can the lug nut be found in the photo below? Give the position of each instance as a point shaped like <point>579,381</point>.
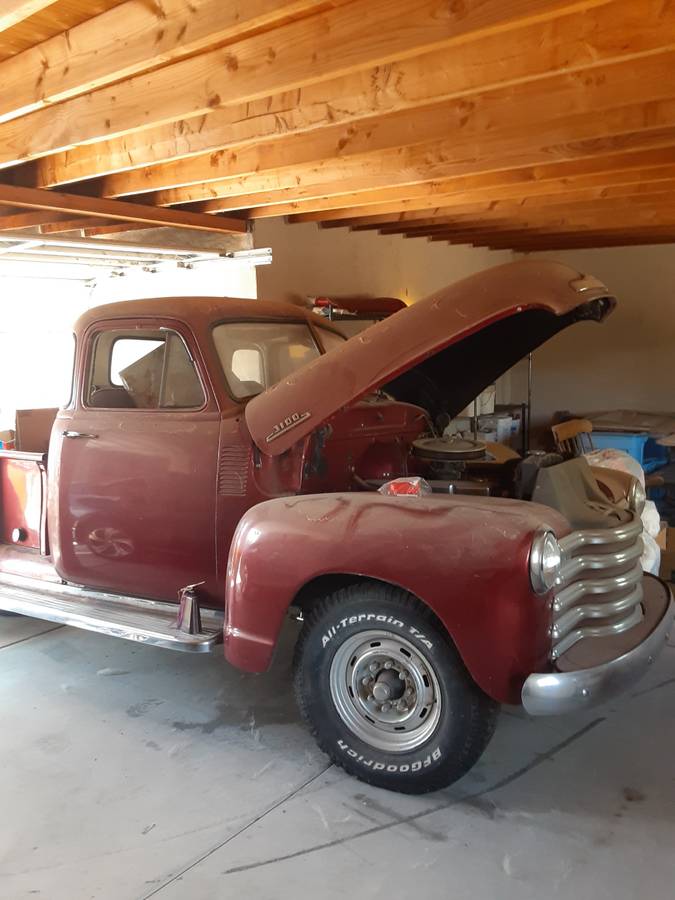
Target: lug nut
<point>403,675</point>
<point>385,707</point>
<point>388,664</point>
<point>373,667</point>
<point>401,706</point>
<point>366,680</point>
<point>408,692</point>
<point>370,698</point>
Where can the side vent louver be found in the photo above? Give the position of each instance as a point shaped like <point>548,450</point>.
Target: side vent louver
<point>233,466</point>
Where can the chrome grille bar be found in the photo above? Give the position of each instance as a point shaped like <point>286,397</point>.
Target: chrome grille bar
<point>610,601</point>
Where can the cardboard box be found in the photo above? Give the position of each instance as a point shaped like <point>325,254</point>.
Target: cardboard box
<point>33,429</point>
<point>668,556</point>
<point>662,536</point>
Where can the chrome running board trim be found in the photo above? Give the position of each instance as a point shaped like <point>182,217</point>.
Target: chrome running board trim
<point>132,618</point>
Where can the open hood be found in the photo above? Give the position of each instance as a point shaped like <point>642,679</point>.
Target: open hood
<point>460,338</point>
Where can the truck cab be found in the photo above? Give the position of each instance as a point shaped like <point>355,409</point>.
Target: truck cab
<point>223,463</point>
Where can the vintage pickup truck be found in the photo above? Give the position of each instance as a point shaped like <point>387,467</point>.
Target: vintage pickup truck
<point>222,464</point>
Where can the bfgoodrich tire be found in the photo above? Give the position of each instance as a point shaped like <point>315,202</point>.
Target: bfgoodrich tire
<point>385,692</point>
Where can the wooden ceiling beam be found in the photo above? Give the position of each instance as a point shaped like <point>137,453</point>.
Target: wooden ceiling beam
<point>552,241</point>
<point>444,140</point>
<point>79,223</point>
<point>571,199</point>
<point>20,220</point>
<point>560,227</point>
<point>119,228</point>
<point>14,11</point>
<point>436,160</point>
<point>97,207</point>
<point>605,168</point>
<point>475,67</point>
<point>129,39</point>
<point>567,44</point>
<point>426,78</point>
<point>525,182</point>
<point>382,164</point>
<point>341,40</point>
<point>594,242</point>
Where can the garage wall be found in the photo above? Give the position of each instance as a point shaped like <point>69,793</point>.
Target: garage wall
<point>310,261</point>
<point>626,362</point>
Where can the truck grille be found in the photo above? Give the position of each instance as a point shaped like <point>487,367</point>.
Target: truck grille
<point>599,590</point>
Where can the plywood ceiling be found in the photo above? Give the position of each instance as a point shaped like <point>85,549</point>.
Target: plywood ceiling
<point>529,124</point>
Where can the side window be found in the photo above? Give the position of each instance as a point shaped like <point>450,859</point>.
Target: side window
<point>152,370</point>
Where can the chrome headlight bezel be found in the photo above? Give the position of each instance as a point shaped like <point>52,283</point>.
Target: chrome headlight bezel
<point>637,497</point>
<point>545,561</point>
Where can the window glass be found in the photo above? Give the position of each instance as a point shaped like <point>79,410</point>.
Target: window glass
<point>256,355</point>
<point>149,371</point>
<point>181,388</point>
<point>247,364</point>
<point>127,351</point>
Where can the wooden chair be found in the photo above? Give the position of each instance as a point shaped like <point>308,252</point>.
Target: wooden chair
<point>573,438</point>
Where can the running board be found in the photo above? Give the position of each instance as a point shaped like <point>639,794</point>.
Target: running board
<point>132,618</point>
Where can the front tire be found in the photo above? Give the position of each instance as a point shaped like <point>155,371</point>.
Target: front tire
<point>385,692</point>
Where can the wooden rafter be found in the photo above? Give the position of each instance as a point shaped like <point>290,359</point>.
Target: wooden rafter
<point>354,35</point>
<point>570,43</point>
<point>521,121</point>
<point>129,39</point>
<point>14,11</point>
<point>79,223</point>
<point>116,210</point>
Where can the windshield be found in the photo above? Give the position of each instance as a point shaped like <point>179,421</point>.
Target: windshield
<point>256,355</point>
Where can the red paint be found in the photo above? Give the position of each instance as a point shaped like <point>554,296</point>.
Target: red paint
<point>170,488</point>
<point>402,341</point>
<point>465,557</point>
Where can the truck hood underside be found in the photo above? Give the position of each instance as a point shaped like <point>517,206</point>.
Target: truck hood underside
<point>458,340</point>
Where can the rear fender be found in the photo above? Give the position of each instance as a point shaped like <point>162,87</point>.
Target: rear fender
<point>464,557</point>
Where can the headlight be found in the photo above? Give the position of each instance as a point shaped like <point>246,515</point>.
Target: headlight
<point>636,497</point>
<point>545,561</point>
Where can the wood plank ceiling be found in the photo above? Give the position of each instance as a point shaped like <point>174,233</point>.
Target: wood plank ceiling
<point>527,124</point>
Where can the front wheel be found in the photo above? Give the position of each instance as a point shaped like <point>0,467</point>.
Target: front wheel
<point>385,692</point>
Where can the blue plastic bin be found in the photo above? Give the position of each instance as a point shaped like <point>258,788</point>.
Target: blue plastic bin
<point>641,447</point>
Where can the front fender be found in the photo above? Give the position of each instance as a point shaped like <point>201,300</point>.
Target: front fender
<point>464,557</point>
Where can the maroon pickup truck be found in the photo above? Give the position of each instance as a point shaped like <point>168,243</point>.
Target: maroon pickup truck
<point>223,463</point>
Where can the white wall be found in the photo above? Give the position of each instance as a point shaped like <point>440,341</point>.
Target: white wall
<point>627,362</point>
<point>310,261</point>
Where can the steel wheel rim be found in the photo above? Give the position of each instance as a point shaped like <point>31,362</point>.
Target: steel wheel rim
<point>398,721</point>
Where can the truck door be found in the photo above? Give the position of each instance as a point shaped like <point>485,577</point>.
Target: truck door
<point>133,506</point>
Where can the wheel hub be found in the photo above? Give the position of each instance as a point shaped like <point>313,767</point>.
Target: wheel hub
<point>385,691</point>
<point>388,686</point>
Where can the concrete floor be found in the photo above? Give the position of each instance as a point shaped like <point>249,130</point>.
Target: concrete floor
<point>130,772</point>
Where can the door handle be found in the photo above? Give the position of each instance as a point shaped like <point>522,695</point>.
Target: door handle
<point>78,434</point>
